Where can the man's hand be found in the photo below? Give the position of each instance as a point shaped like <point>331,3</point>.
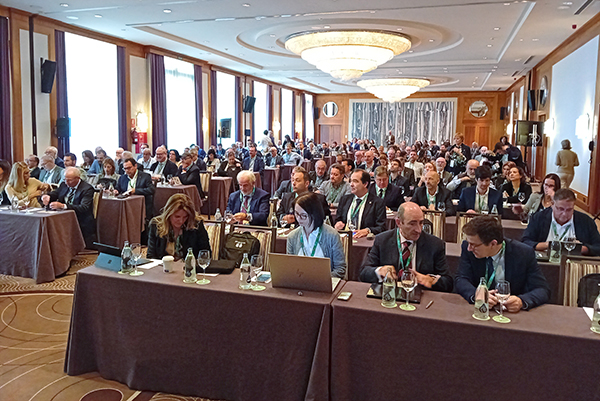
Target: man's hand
<point>132,191</point>
<point>471,211</point>
<point>543,246</point>
<point>240,217</point>
<point>382,271</point>
<point>513,304</point>
<point>339,225</point>
<point>585,250</point>
<point>493,301</point>
<point>465,178</point>
<point>57,205</point>
<point>45,199</point>
<point>424,279</point>
<point>361,233</point>
<point>289,218</point>
<point>423,208</point>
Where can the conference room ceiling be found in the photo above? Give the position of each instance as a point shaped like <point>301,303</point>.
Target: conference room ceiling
<point>458,44</point>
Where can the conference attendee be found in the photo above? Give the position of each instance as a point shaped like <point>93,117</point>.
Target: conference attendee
<point>88,160</point>
<point>265,142</point>
<point>230,168</point>
<point>458,154</point>
<point>502,179</point>
<point>313,237</point>
<point>336,187</point>
<point>562,221</point>
<point>396,177</point>
<point>189,173</point>
<point>325,149</point>
<point>300,185</point>
<point>318,176</point>
<point>77,195</point>
<point>178,228</point>
<point>517,185</point>
<point>480,198</point>
<point>408,247</point>
<point>383,161</point>
<point>414,164</point>
<point>128,155</point>
<point>406,171</point>
<point>463,180</point>
<point>197,159</point>
<point>220,150</point>
<point>359,156</point>
<point>51,173</point>
<point>249,203</point>
<point>119,157</point>
<point>254,162</point>
<point>349,167</point>
<point>389,193</point>
<point>286,185</point>
<point>136,182</point>
<point>162,166</point>
<point>97,164</point>
<point>71,161</point>
<point>287,140</point>
<point>272,159</point>
<point>566,160</point>
<point>427,167</point>
<point>369,164</point>
<point>146,160</point>
<point>486,253</point>
<point>540,200</point>
<point>143,147</point>
<point>432,196</point>
<point>304,152</point>
<point>22,187</point>
<point>33,163</point>
<point>440,167</point>
<point>4,174</point>
<point>174,157</point>
<point>514,154</point>
<point>212,160</point>
<point>290,157</point>
<point>108,176</point>
<point>364,210</point>
<point>52,151</point>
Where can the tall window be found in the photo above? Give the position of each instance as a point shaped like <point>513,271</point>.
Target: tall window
<point>92,94</point>
<point>260,110</point>
<point>181,104</point>
<point>309,117</point>
<point>225,109</point>
<point>287,124</point>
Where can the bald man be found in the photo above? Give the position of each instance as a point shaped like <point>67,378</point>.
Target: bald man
<point>369,164</point>
<point>422,253</point>
<point>432,196</point>
<point>318,176</point>
<point>464,180</point>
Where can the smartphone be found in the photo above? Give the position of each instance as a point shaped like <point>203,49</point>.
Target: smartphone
<point>344,296</point>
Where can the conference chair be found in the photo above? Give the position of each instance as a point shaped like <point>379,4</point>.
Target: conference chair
<point>463,218</point>
<point>216,233</point>
<point>438,222</point>
<point>265,235</point>
<point>572,270</point>
<point>205,179</point>
<point>588,290</point>
<point>97,200</point>
<point>346,237</point>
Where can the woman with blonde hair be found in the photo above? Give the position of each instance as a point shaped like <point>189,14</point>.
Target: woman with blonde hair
<point>21,187</point>
<point>176,229</point>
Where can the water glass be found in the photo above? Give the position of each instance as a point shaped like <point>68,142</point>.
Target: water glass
<point>570,243</point>
<point>256,263</point>
<point>136,254</point>
<point>441,206</point>
<point>502,293</point>
<point>203,261</point>
<point>408,282</point>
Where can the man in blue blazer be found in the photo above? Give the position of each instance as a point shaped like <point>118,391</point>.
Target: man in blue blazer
<point>480,197</point>
<point>486,253</point>
<point>136,182</point>
<point>254,162</point>
<point>249,203</point>
<point>561,221</point>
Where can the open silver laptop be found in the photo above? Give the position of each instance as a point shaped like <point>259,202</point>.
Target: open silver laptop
<point>302,273</point>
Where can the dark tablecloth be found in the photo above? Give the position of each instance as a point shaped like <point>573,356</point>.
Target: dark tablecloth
<point>513,229</point>
<point>163,194</point>
<point>286,172</point>
<point>271,180</point>
<point>308,165</point>
<point>39,245</point>
<point>220,188</point>
<point>548,353</point>
<point>120,220</point>
<point>156,333</point>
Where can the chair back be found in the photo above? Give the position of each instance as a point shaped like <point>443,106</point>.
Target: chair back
<point>464,218</point>
<point>346,237</point>
<point>265,235</point>
<point>215,230</point>
<point>97,200</point>
<point>572,270</point>
<point>588,290</point>
<point>205,179</point>
<point>438,222</point>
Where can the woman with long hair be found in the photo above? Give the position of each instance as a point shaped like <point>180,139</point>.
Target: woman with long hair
<point>174,156</point>
<point>4,173</point>
<point>108,175</point>
<point>517,185</point>
<point>543,199</point>
<point>176,229</point>
<point>315,238</point>
<point>21,187</point>
<point>88,159</point>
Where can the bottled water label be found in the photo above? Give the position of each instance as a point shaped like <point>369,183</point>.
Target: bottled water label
<point>388,296</point>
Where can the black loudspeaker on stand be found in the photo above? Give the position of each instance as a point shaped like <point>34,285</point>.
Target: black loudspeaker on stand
<point>63,127</point>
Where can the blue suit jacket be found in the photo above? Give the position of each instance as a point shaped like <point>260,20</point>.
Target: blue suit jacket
<point>467,200</point>
<point>259,165</point>
<point>259,206</point>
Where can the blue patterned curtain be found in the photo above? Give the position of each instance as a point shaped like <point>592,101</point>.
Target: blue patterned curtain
<point>408,121</point>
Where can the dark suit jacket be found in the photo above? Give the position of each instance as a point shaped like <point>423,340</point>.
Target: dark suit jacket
<point>521,270</point>
<point>35,173</point>
<point>259,165</point>
<point>232,172</point>
<point>373,217</point>
<point>313,178</point>
<point>170,169</point>
<point>287,204</point>
<point>585,230</point>
<point>196,239</point>
<point>393,195</point>
<point>278,160</point>
<point>467,200</point>
<point>431,258</point>
<point>201,164</point>
<point>403,183</point>
<point>83,205</point>
<point>306,153</point>
<point>259,206</point>
<point>409,174</point>
<point>140,167</point>
<point>143,186</point>
<point>190,177</point>
<point>514,197</point>
<point>443,195</point>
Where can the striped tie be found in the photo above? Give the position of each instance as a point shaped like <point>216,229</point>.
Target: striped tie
<point>70,196</point>
<point>405,253</point>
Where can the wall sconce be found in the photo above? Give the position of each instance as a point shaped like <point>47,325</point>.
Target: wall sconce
<point>141,120</point>
<point>582,127</point>
<point>298,127</point>
<point>204,124</point>
<point>276,127</point>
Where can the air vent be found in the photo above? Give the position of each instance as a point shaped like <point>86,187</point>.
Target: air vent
<point>528,59</point>
<point>583,7</point>
<point>515,74</point>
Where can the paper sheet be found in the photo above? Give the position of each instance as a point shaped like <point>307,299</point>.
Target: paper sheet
<point>589,312</point>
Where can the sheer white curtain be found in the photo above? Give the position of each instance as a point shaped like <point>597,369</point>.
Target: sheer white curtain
<point>287,124</point>
<point>92,94</point>
<point>226,105</point>
<point>309,117</point>
<point>260,110</point>
<point>181,104</point>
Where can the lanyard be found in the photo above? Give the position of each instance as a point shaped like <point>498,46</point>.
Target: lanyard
<point>566,229</point>
<point>481,201</point>
<point>430,198</point>
<point>249,200</point>
<point>491,279</point>
<point>357,208</point>
<point>401,261</point>
<point>314,249</point>
<point>334,193</point>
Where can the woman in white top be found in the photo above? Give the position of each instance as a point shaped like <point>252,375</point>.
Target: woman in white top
<point>566,160</point>
<point>21,187</point>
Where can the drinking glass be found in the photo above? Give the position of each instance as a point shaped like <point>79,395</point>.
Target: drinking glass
<point>502,293</point>
<point>352,228</point>
<point>228,217</point>
<point>27,201</point>
<point>570,243</point>
<point>427,228</point>
<point>485,210</point>
<point>521,197</point>
<point>203,261</point>
<point>136,254</point>
<point>256,263</point>
<point>169,178</point>
<point>15,205</point>
<point>408,281</point>
<point>441,206</point>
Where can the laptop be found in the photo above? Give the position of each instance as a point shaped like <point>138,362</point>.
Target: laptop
<point>302,273</point>
<point>109,257</point>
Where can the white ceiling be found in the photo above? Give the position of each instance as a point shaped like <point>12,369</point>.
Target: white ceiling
<point>458,44</point>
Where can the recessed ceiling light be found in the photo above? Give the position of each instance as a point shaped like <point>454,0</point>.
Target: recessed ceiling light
<point>64,5</point>
<point>567,3</point>
<point>326,27</point>
<point>406,61</point>
<point>517,59</point>
<point>520,40</point>
<point>411,51</point>
<point>485,58</point>
<point>398,29</point>
<point>489,45</point>
<point>98,16</point>
<point>245,5</point>
<point>505,74</point>
<point>72,17</point>
<point>534,39</point>
<point>496,28</point>
<point>431,40</point>
<point>272,35</point>
<point>167,11</point>
<point>507,4</point>
<point>563,7</point>
<point>286,15</point>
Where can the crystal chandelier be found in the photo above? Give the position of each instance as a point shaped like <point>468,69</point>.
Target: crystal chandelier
<point>393,89</point>
<point>347,54</point>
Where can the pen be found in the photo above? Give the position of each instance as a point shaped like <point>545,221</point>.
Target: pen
<point>429,304</point>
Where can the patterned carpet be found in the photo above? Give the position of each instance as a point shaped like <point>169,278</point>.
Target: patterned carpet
<point>34,326</point>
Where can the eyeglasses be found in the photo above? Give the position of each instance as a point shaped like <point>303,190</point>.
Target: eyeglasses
<point>472,245</point>
<point>301,216</point>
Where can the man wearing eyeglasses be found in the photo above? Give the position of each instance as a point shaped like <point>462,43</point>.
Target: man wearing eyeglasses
<point>136,182</point>
<point>486,253</point>
<point>249,203</point>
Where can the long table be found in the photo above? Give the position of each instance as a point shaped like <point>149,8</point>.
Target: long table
<point>120,220</point>
<point>156,333</point>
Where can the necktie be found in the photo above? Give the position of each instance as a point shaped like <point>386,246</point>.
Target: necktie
<point>381,193</point>
<point>490,269</point>
<point>245,205</point>
<point>70,196</point>
<point>354,216</point>
<point>405,253</point>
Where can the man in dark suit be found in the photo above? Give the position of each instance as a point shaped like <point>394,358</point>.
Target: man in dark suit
<point>162,166</point>
<point>486,253</point>
<point>249,203</point>
<point>300,185</point>
<point>423,253</point>
<point>254,162</point>
<point>318,176</point>
<point>562,221</point>
<point>76,194</point>
<point>189,173</point>
<point>273,159</point>
<point>369,164</point>
<point>391,194</point>
<point>137,182</point>
<point>463,180</point>
<point>304,152</point>
<point>432,196</point>
<point>480,198</point>
<point>33,162</point>
<point>396,177</point>
<point>365,210</point>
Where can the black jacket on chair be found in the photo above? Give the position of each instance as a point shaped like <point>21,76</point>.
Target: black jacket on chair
<point>143,186</point>
<point>191,176</point>
<point>443,195</point>
<point>196,239</point>
<point>373,217</point>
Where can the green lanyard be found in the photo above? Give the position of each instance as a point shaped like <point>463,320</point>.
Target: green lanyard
<point>430,198</point>
<point>242,200</point>
<point>314,246</point>
<point>481,202</point>
<point>357,208</point>
<point>556,237</point>
<point>334,193</point>
<point>491,279</point>
<point>400,261</point>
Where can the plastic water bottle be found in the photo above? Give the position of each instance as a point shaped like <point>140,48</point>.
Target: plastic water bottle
<point>388,293</point>
<point>245,268</point>
<point>218,215</point>
<point>111,189</point>
<point>126,255</point>
<point>189,270</point>
<point>494,209</point>
<point>482,306</point>
<point>274,221</point>
<point>596,318</point>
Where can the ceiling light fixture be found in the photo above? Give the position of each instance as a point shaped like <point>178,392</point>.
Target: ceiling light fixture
<point>72,17</point>
<point>98,16</point>
<point>246,5</point>
<point>489,45</point>
<point>167,11</point>
<point>347,54</point>
<point>64,5</point>
<point>393,89</point>
<point>496,29</point>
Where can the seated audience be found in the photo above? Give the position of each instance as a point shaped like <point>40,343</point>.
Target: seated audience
<point>32,162</point>
<point>432,196</point>
<point>21,187</point>
<point>396,177</point>
<point>517,185</point>
<point>249,203</point>
<point>414,165</point>
<point>300,185</point>
<point>253,162</point>
<point>540,200</point>
<point>463,180</point>
<point>88,160</point>
<point>290,157</point>
<point>174,157</point>
<point>315,238</point>
<point>97,164</point>
<point>189,173</point>
<point>197,159</point>
<point>136,182</point>
<point>349,167</point>
<point>71,161</point>
<point>51,173</point>
<point>230,168</point>
<point>318,176</point>
<point>335,187</point>
<point>369,164</point>
<point>52,151</point>
<point>127,155</point>
<point>146,160</point>
<point>212,161</point>
<point>108,176</point>
<point>427,167</point>
<point>480,198</point>
<point>440,166</point>
<point>273,159</point>
<point>389,193</point>
<point>486,253</point>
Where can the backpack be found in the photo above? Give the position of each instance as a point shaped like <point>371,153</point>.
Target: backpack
<point>239,243</point>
